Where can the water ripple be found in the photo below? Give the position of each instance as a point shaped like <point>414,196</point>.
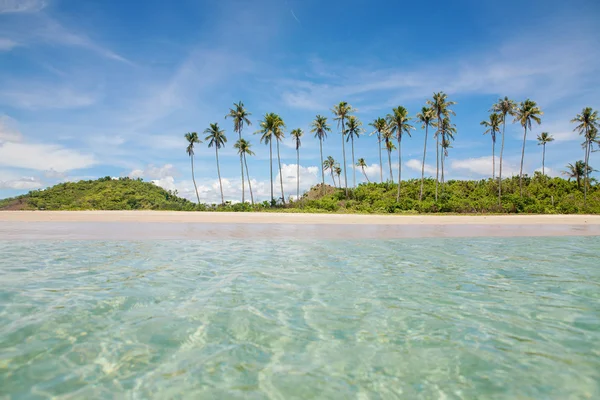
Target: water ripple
<point>278,319</point>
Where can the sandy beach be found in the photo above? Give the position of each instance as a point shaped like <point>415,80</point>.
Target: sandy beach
<point>292,218</point>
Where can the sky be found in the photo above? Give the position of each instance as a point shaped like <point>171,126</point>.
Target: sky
<point>93,89</point>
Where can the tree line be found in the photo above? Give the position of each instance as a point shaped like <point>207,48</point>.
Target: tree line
<point>390,130</point>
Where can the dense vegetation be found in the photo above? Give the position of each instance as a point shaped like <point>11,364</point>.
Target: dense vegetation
<point>102,194</point>
<point>520,194</point>
<point>436,114</point>
<point>541,195</point>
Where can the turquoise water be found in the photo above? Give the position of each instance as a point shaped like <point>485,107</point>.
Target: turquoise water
<point>496,318</point>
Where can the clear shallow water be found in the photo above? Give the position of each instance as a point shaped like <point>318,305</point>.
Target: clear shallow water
<point>283,319</point>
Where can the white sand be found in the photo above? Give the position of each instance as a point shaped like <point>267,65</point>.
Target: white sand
<point>291,218</point>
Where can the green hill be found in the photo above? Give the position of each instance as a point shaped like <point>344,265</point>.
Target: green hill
<point>101,194</point>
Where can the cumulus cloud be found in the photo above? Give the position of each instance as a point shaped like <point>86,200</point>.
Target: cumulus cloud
<point>22,183</point>
<point>551,172</point>
<point>42,157</point>
<point>16,153</point>
<point>479,167</point>
<point>209,190</point>
<point>154,172</point>
<point>416,165</point>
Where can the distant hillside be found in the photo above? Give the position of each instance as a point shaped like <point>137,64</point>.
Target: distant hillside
<point>102,194</point>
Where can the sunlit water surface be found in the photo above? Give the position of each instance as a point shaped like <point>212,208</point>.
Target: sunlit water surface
<point>495,318</point>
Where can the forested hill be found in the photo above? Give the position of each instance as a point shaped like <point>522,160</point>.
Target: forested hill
<point>101,194</point>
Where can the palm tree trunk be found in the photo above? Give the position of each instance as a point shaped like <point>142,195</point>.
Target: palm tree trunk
<point>390,164</point>
<point>280,176</point>
<point>423,164</point>
<point>194,179</point>
<point>442,153</point>
<point>437,159</point>
<point>297,174</point>
<point>333,179</point>
<point>544,159</point>
<point>380,160</point>
<point>353,164</point>
<point>522,158</point>
<point>242,168</point>
<point>399,165</point>
<point>271,166</point>
<point>322,169</point>
<point>493,159</point>
<point>586,173</point>
<point>344,156</point>
<point>219,174</point>
<point>501,153</point>
<point>249,182</point>
<point>365,174</point>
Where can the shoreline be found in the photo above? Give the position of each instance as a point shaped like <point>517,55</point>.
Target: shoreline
<point>291,218</point>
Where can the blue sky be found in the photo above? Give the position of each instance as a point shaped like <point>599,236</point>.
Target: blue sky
<point>90,89</point>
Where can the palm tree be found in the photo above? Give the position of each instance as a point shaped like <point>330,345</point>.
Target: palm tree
<point>353,130</point>
<point>216,138</point>
<point>329,164</point>
<point>296,135</point>
<point>441,108</point>
<point>380,125</point>
<point>426,117</point>
<point>341,112</point>
<point>320,129</point>
<point>267,129</point>
<point>503,107</point>
<point>577,171</point>
<point>588,123</point>
<point>543,139</point>
<point>240,117</point>
<point>244,148</point>
<point>362,164</point>
<point>279,135</point>
<point>398,124</point>
<point>526,112</point>
<point>445,144</point>
<point>389,146</point>
<point>338,172</point>
<point>493,128</point>
<point>192,139</point>
<point>447,132</point>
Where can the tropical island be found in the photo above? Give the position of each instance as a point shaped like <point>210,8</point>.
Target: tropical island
<point>537,194</point>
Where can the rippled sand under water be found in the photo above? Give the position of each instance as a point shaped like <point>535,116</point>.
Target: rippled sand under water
<point>494,318</point>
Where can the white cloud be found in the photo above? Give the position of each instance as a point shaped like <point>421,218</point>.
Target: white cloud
<point>22,183</point>
<point>510,68</point>
<point>550,172</point>
<point>209,190</point>
<point>153,172</point>
<point>53,159</point>
<point>482,167</point>
<point>52,31</point>
<point>16,6</point>
<point>42,157</point>
<point>415,164</point>
<point>8,130</point>
<point>53,174</point>
<point>7,44</point>
<point>35,97</point>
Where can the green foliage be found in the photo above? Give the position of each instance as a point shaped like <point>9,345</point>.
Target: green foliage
<point>103,194</point>
<point>541,195</point>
